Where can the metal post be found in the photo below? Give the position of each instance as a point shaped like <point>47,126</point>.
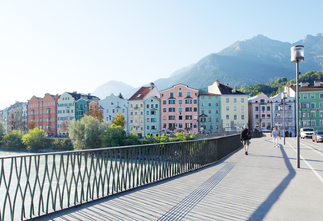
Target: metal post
<point>284,116</point>
<point>297,117</point>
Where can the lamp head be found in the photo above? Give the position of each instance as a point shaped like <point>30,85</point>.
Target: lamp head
<point>297,53</point>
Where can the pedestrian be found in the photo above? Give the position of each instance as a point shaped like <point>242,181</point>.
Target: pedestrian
<point>275,136</point>
<point>244,137</point>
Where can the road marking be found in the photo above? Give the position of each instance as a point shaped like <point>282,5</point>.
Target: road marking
<point>314,171</point>
<point>313,149</point>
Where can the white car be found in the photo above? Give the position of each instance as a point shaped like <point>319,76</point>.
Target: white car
<point>307,132</point>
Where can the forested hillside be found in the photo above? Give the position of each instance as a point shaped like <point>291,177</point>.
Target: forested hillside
<point>278,85</point>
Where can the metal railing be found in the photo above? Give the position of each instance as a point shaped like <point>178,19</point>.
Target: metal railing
<point>38,184</point>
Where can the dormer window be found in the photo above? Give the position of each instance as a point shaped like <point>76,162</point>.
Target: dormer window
<point>139,95</point>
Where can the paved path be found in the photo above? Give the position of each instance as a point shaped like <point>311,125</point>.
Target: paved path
<point>265,185</point>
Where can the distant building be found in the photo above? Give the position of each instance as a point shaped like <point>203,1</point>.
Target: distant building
<point>152,116</point>
<point>44,112</point>
<point>66,109</point>
<point>136,108</point>
<point>310,103</point>
<point>278,113</point>
<point>261,113</point>
<point>234,106</point>
<point>4,119</point>
<point>179,109</point>
<point>210,113</point>
<point>111,105</point>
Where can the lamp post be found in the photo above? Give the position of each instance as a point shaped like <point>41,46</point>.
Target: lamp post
<point>284,97</point>
<point>297,55</point>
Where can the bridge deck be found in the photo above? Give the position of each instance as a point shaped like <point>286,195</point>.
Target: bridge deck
<point>263,185</point>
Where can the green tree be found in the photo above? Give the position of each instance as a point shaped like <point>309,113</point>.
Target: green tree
<point>119,120</point>
<point>132,139</point>
<point>2,130</point>
<point>120,96</point>
<point>86,132</point>
<point>113,136</point>
<point>34,139</point>
<point>13,139</point>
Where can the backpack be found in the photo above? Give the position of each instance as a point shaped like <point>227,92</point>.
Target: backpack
<point>249,135</point>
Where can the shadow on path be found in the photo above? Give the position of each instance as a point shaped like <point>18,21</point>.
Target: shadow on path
<point>263,209</point>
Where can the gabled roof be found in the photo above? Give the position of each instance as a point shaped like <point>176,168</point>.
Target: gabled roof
<point>140,94</point>
<point>310,87</point>
<point>228,90</point>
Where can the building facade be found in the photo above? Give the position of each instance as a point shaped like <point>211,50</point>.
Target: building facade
<point>210,113</point>
<point>310,103</point>
<point>152,116</point>
<point>234,106</point>
<point>111,105</point>
<point>43,112</point>
<point>261,113</point>
<point>136,109</point>
<point>179,110</point>
<point>280,115</point>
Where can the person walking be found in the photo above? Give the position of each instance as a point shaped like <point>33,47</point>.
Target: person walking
<point>275,136</point>
<point>244,137</point>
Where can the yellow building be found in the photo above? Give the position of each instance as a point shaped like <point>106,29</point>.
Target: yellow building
<point>234,106</point>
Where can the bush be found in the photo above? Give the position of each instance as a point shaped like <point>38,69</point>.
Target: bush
<point>13,139</point>
<point>2,130</point>
<point>132,139</point>
<point>34,139</point>
<point>113,136</point>
<point>86,132</point>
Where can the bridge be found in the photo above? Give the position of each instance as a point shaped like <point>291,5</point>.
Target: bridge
<point>263,185</point>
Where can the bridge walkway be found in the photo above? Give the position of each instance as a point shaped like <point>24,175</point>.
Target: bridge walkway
<point>264,185</point>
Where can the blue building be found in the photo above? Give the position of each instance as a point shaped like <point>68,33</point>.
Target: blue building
<point>152,116</point>
<point>210,113</point>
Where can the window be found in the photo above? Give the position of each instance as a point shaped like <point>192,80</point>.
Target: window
<point>235,108</point>
<point>164,102</point>
<point>155,119</point>
<point>242,117</point>
<point>188,117</point>
<point>305,105</point>
<point>235,117</point>
<point>304,96</point>
<point>242,100</point>
<point>202,104</point>
<point>262,116</point>
<point>180,117</point>
<point>156,105</point>
<point>210,119</point>
<point>188,125</point>
<point>312,96</point>
<point>164,125</point>
<point>171,117</point>
<point>227,108</point>
<point>153,127</point>
<point>171,94</point>
<point>256,109</point>
<point>203,119</point>
<point>216,119</point>
<point>164,109</point>
<point>195,101</point>
<point>321,114</point>
<point>227,100</point>
<point>210,111</point>
<point>180,101</point>
<point>262,100</point>
<point>306,114</point>
<point>306,123</point>
<point>171,109</point>
<point>256,116</point>
<point>148,127</point>
<point>188,93</point>
<point>164,117</point>
<point>195,109</point>
<point>263,108</point>
<point>321,95</point>
<point>216,104</point>
<point>188,101</point>
<point>227,117</point>
<point>180,125</point>
<point>312,105</point>
<point>210,104</point>
<point>148,119</point>
<point>180,94</point>
<point>147,106</point>
<point>321,105</point>
<point>312,113</point>
<point>171,102</point>
<point>268,108</point>
<point>234,100</point>
<point>268,116</point>
<point>180,109</point>
<point>188,109</point>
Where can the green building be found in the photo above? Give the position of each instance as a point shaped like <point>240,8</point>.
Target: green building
<point>310,104</point>
<point>210,113</point>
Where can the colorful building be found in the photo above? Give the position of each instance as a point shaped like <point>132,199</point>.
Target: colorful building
<point>234,106</point>
<point>210,113</point>
<point>136,108</point>
<point>43,111</point>
<point>310,103</point>
<point>179,109</point>
<point>152,116</point>
<point>81,108</point>
<point>261,113</point>
<point>111,105</point>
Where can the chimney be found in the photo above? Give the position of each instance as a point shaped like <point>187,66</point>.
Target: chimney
<point>217,82</point>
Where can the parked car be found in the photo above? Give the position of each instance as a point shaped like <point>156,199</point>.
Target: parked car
<point>306,132</point>
<point>317,136</point>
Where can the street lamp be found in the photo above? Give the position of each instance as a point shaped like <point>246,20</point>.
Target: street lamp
<point>283,106</point>
<point>297,55</point>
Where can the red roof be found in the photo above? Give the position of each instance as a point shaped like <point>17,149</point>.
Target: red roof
<point>140,94</point>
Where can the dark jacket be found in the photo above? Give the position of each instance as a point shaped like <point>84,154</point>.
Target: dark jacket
<point>244,134</point>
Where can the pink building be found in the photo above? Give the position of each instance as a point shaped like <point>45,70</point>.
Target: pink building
<point>179,109</point>
<point>260,112</point>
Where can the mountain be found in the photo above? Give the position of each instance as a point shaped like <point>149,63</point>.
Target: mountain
<point>114,87</point>
<point>253,61</point>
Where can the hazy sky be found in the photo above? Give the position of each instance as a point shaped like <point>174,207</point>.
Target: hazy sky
<point>58,46</point>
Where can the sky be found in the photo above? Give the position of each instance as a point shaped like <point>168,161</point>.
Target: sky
<point>58,46</point>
